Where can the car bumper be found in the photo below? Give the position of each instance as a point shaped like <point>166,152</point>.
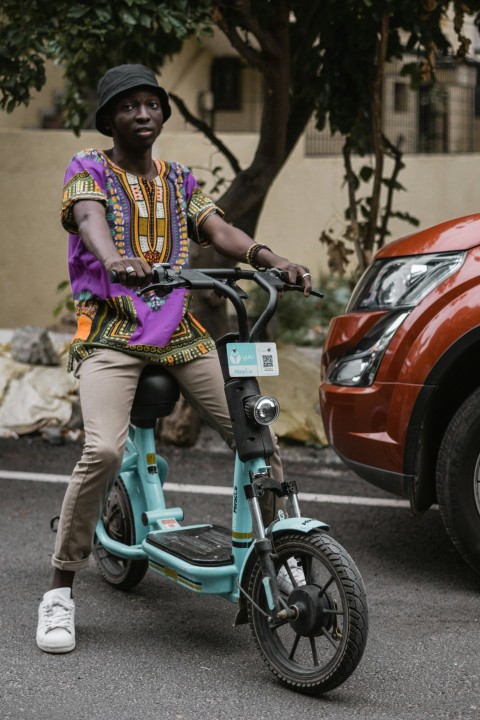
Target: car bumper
<point>368,429</point>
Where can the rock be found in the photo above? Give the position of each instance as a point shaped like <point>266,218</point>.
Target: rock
<point>33,345</point>
<point>39,397</point>
<point>53,435</point>
<point>76,420</point>
<point>182,427</point>
<point>5,434</point>
<point>296,389</point>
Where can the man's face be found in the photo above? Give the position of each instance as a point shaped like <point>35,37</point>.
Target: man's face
<point>135,118</point>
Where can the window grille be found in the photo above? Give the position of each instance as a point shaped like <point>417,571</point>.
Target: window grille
<point>443,117</point>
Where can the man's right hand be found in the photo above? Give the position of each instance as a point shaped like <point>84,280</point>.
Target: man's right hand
<point>131,272</point>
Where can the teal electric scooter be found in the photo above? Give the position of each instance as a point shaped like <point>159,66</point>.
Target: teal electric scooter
<point>299,590</point>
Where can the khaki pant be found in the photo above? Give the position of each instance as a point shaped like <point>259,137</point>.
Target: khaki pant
<point>108,381</point>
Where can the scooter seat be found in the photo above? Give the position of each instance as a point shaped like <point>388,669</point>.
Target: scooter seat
<point>156,395</point>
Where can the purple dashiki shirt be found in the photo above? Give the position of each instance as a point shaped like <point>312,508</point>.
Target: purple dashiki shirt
<point>151,219</point>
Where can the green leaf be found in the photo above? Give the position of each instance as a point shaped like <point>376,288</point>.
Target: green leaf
<point>77,12</point>
<point>366,173</point>
<point>393,184</point>
<point>127,17</point>
<point>103,15</point>
<point>406,217</point>
<point>62,285</point>
<point>365,212</point>
<point>145,20</point>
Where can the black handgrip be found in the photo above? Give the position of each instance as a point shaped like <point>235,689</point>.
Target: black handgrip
<point>114,278</point>
<point>316,293</point>
<point>300,288</point>
<point>282,275</point>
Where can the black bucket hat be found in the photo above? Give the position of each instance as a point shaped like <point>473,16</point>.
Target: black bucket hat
<point>126,77</point>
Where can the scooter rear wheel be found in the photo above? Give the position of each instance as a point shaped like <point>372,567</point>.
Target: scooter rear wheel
<point>119,523</point>
<point>319,649</point>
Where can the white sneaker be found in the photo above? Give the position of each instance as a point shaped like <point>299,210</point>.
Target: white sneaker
<point>56,621</point>
<point>283,578</point>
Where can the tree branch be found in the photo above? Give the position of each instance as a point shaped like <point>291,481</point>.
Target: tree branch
<point>377,112</point>
<point>352,205</point>
<point>208,132</point>
<point>270,42</point>
<point>398,165</point>
<point>253,26</point>
<point>252,56</point>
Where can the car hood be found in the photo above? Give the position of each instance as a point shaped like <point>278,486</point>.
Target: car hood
<point>459,234</point>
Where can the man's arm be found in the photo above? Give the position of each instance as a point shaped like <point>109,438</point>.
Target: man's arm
<point>234,243</point>
<point>95,233</point>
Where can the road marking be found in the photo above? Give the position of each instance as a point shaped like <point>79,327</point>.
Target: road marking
<point>222,490</point>
<point>35,477</point>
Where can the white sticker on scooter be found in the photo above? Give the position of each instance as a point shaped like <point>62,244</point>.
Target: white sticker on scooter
<point>169,524</point>
<point>252,359</point>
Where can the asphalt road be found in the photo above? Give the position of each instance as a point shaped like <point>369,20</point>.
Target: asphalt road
<point>163,652</point>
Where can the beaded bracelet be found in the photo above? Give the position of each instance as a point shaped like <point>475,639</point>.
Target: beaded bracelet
<point>249,252</point>
<point>252,253</point>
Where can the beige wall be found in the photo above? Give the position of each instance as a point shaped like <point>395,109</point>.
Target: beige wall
<point>30,116</point>
<point>307,197</point>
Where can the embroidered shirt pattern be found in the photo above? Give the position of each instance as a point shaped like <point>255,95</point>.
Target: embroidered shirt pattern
<point>151,219</point>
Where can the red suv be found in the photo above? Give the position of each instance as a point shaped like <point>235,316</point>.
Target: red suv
<point>400,387</point>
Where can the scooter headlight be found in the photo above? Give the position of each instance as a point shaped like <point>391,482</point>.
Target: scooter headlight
<point>262,409</point>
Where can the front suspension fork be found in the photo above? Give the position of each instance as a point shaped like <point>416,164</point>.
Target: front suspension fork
<point>261,483</point>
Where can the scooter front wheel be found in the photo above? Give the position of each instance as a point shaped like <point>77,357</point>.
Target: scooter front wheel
<point>321,647</point>
<point>118,519</point>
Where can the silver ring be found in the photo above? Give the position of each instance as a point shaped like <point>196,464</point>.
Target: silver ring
<point>129,269</point>
<point>306,275</point>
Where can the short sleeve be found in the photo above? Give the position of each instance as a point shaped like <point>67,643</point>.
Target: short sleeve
<point>199,208</point>
<point>84,180</point>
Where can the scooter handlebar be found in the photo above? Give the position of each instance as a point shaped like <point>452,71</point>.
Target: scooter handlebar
<point>223,282</point>
<point>167,278</point>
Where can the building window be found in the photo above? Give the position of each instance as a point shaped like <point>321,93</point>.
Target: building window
<point>433,119</point>
<point>226,83</point>
<point>400,97</point>
<point>477,94</point>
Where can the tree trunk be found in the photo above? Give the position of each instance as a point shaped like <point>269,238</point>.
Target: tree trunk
<point>283,121</point>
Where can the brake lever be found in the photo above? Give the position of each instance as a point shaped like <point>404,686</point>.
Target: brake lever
<point>300,288</point>
<point>278,277</point>
<point>161,274</point>
<point>159,290</point>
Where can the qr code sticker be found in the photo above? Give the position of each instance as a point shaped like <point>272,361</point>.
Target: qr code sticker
<point>267,361</point>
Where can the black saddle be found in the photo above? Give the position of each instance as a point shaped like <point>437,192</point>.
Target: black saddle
<point>157,393</point>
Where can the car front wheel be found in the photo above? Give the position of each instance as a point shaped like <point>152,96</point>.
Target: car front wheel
<point>458,480</point>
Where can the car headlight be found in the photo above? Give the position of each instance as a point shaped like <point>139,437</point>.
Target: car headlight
<point>402,281</point>
<point>358,368</point>
<point>395,285</point>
